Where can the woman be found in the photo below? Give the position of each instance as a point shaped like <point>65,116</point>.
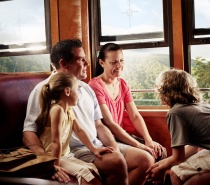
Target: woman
<point>115,100</point>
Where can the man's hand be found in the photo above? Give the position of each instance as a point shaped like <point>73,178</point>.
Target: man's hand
<point>62,175</point>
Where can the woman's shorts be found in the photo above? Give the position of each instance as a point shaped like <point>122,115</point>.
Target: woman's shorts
<point>198,163</point>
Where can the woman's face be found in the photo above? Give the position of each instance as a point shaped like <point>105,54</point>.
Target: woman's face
<point>114,63</point>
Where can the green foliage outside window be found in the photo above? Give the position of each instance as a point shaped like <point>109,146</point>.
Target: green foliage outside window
<point>201,71</point>
<point>25,63</point>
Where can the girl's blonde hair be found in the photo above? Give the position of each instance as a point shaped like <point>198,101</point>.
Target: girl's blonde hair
<point>177,86</point>
<point>52,91</point>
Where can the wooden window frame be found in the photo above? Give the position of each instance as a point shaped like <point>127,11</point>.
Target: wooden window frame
<point>47,33</point>
<point>96,38</point>
<point>189,31</point>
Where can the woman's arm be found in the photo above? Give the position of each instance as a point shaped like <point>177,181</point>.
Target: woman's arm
<point>139,124</point>
<point>137,121</point>
<point>118,131</point>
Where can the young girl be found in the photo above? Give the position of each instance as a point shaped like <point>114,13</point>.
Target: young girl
<point>189,124</point>
<point>55,124</point>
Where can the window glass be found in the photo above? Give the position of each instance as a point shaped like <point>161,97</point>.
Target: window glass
<point>24,36</point>
<point>200,65</point>
<point>22,25</point>
<point>126,17</point>
<point>202,13</point>
<point>32,63</point>
<point>141,68</point>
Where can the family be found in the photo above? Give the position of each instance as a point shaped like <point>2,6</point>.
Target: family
<point>84,125</point>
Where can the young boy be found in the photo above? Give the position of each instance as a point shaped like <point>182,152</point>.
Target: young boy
<point>189,124</point>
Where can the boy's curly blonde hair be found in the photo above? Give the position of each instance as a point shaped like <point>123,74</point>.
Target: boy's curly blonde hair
<point>177,86</point>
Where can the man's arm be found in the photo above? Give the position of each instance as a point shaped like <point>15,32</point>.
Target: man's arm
<point>31,140</point>
<point>105,136</point>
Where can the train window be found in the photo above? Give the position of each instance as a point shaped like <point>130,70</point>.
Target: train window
<point>24,35</point>
<point>202,16</point>
<point>124,21</point>
<point>196,19</point>
<point>142,28</point>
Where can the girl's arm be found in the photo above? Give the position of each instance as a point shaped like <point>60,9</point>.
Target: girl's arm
<point>84,138</point>
<point>56,116</point>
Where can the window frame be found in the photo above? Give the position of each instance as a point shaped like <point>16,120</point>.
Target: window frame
<point>47,34</point>
<point>189,31</point>
<point>96,38</point>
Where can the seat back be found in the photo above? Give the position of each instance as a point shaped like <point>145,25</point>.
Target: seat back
<point>14,92</point>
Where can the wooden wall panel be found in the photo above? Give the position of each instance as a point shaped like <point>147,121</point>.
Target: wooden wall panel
<point>54,21</point>
<point>177,34</point>
<point>72,22</point>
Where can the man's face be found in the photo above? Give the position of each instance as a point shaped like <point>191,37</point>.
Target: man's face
<point>79,65</point>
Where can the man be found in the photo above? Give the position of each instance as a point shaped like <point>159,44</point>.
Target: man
<point>126,165</point>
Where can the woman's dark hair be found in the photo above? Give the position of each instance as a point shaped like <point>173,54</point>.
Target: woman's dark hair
<point>63,50</point>
<point>102,55</point>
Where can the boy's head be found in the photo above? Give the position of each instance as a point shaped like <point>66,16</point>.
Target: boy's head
<point>177,86</point>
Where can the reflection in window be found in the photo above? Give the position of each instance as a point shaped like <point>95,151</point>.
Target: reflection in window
<point>22,25</point>
<point>128,17</point>
<point>24,36</point>
<point>202,15</point>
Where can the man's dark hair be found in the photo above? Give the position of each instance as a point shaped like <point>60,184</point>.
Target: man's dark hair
<point>63,50</point>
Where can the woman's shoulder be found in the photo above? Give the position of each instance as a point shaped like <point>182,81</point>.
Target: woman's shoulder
<point>94,80</point>
<point>123,83</point>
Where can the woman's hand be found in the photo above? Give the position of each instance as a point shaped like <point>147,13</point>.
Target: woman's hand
<point>98,151</point>
<point>62,175</point>
<point>158,148</point>
<point>148,149</point>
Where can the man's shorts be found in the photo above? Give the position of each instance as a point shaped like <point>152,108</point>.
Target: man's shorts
<point>84,154</point>
<point>198,163</point>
